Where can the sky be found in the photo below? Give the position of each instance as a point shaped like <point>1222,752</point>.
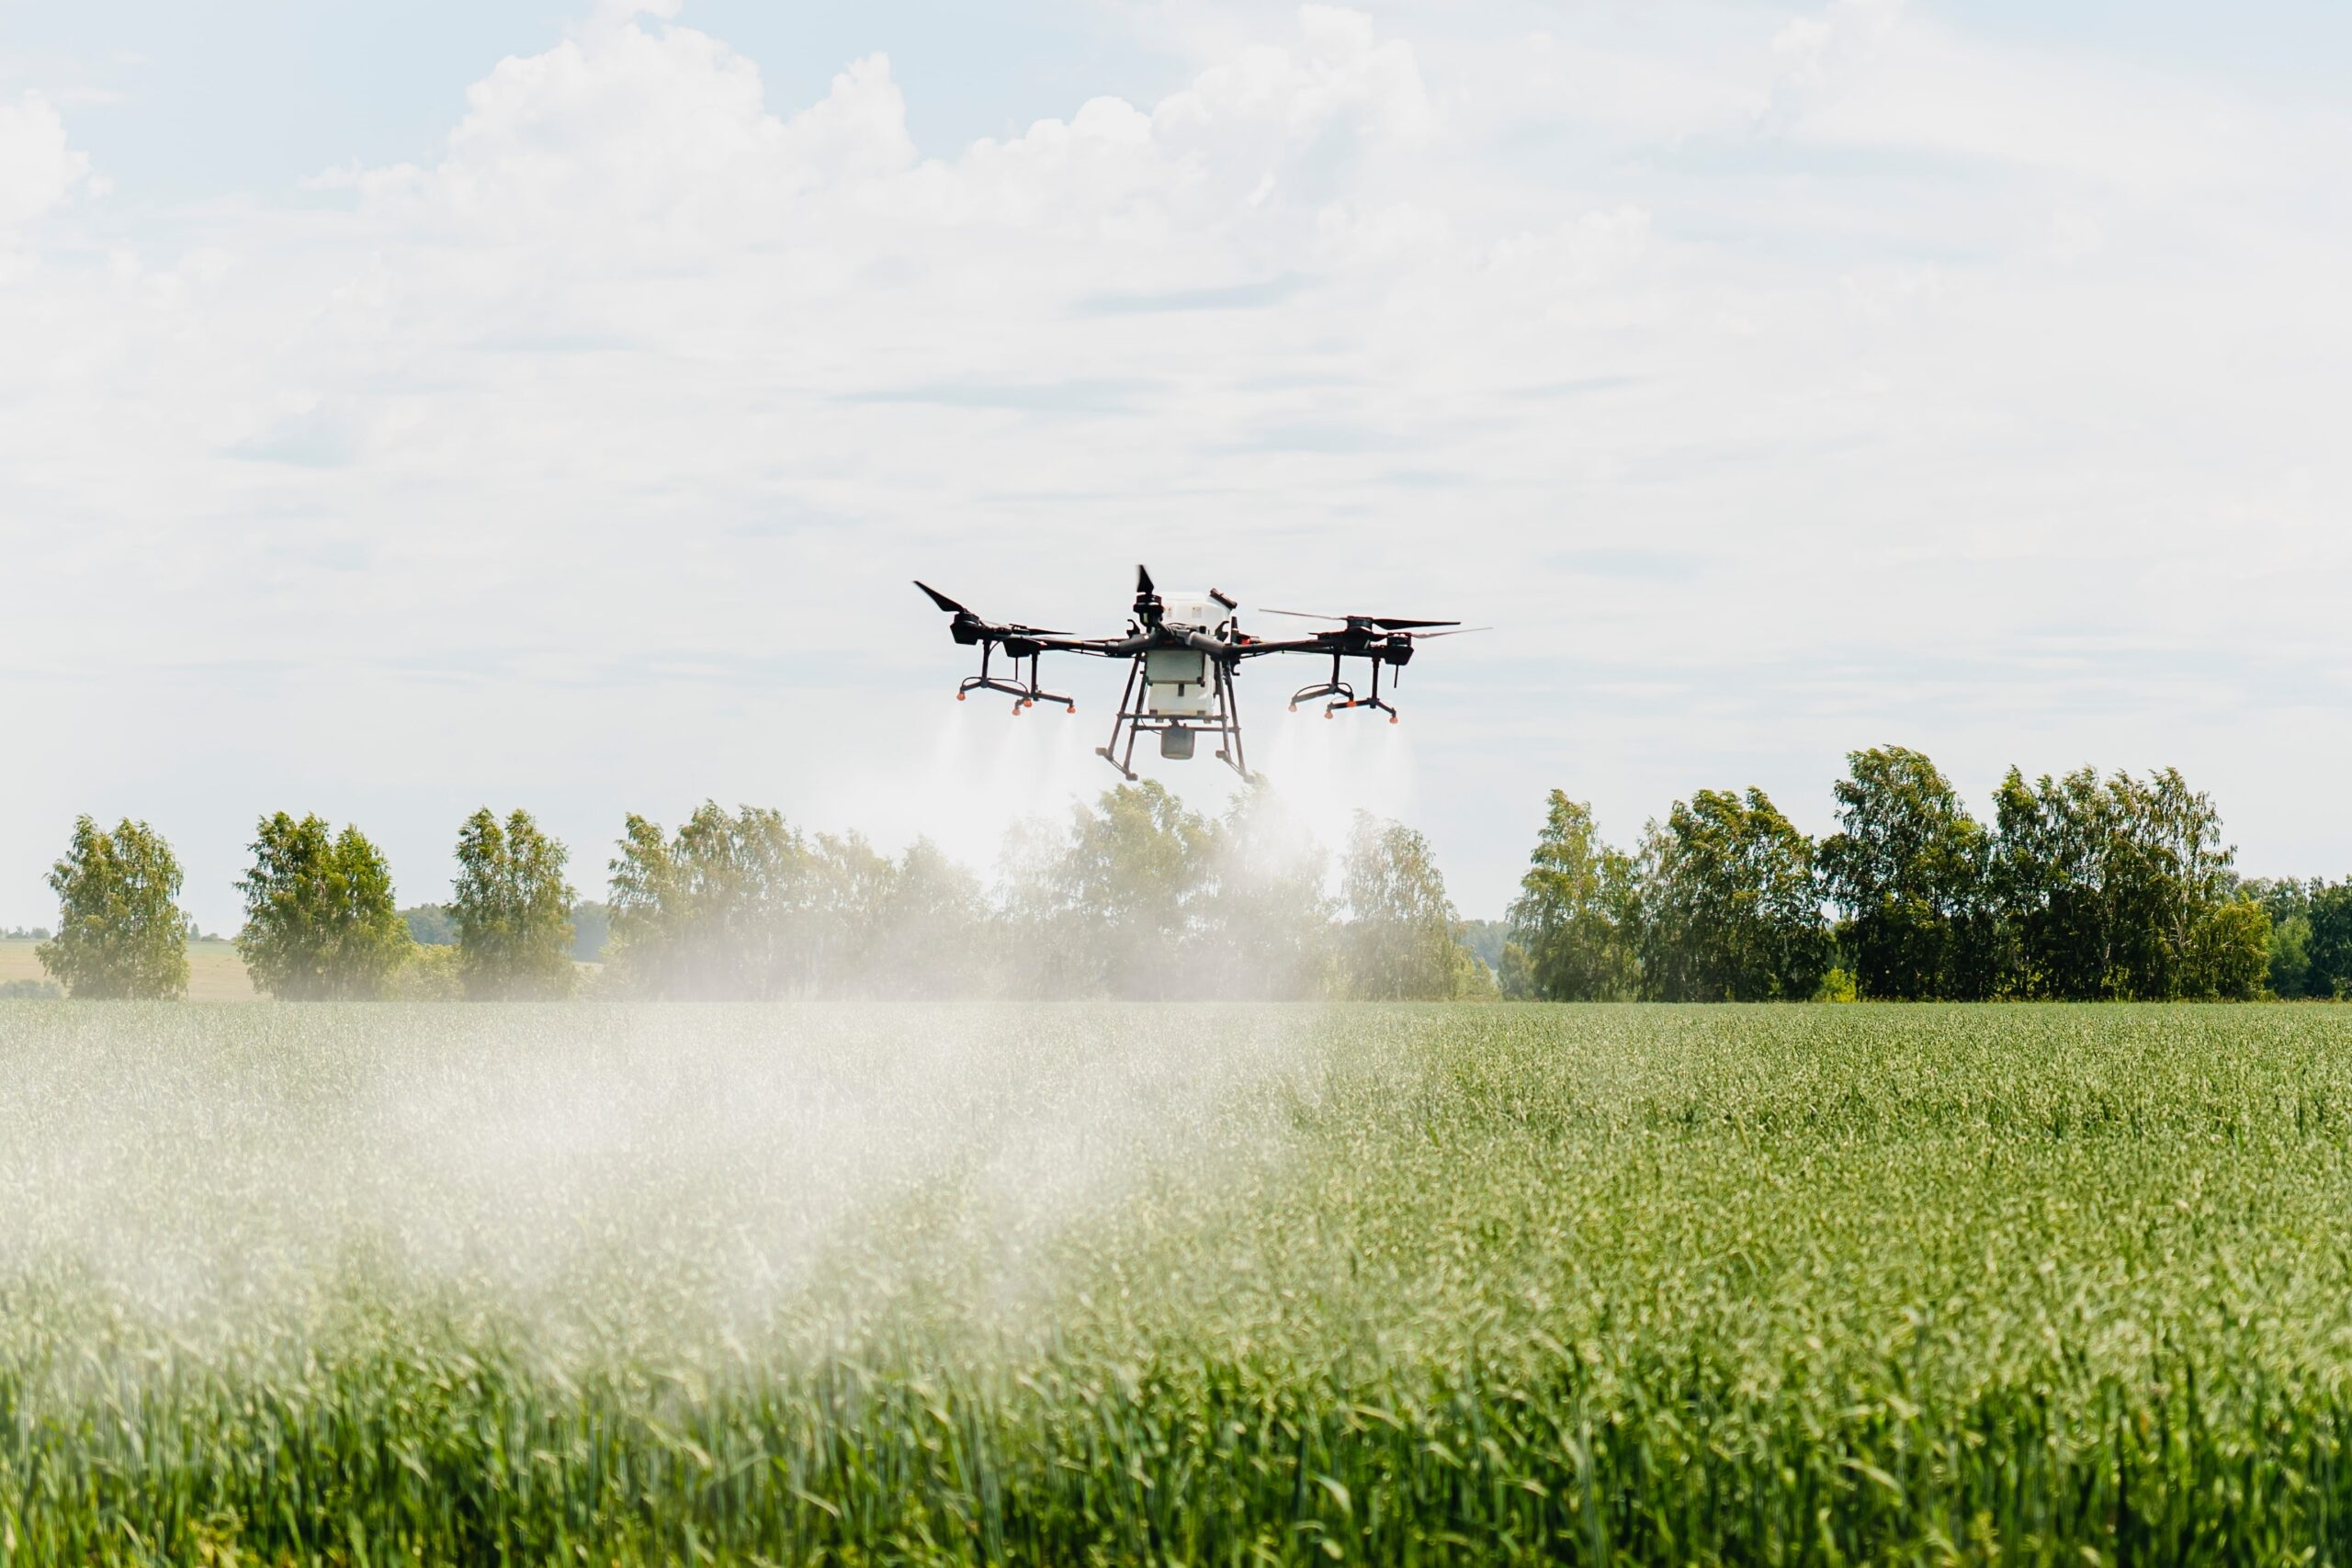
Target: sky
<point>408,409</point>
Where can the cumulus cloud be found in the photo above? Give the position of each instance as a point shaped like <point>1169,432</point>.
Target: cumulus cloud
<point>40,168</point>
<point>642,392</point>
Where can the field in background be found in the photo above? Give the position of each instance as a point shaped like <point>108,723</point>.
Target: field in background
<point>215,974</point>
<point>1070,1284</point>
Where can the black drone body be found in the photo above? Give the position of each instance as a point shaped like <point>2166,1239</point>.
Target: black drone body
<point>1184,652</point>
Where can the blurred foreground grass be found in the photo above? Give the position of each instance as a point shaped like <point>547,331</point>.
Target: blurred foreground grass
<point>1073,1284</point>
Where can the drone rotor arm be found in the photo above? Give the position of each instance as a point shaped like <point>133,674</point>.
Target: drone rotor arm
<point>1095,646</point>
<point>1255,646</point>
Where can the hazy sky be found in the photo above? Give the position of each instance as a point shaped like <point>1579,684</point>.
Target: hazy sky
<point>408,408</point>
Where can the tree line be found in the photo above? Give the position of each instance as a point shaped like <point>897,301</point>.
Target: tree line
<point>1135,896</point>
<point>2079,888</point>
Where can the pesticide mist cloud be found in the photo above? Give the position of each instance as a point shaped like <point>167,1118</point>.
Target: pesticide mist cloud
<point>711,1179</point>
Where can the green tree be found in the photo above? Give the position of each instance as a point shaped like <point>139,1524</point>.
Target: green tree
<point>2288,970</point>
<point>2047,863</point>
<point>512,910</point>
<point>430,925</point>
<point>319,917</point>
<point>432,973</point>
<point>1264,916</point>
<point>1110,904</point>
<point>591,927</point>
<point>2116,890</point>
<point>850,895</point>
<point>937,939</point>
<point>2284,897</point>
<point>1576,918</point>
<point>1487,939</point>
<point>2227,956</point>
<point>1515,976</point>
<point>2288,902</point>
<point>120,933</point>
<point>2180,930</point>
<point>719,911</point>
<point>2331,941</point>
<point>1399,941</point>
<point>1730,910</point>
<point>1907,867</point>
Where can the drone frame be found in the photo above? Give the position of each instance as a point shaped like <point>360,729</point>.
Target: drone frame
<point>1222,645</point>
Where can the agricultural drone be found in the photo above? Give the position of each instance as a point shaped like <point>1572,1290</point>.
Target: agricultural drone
<point>1183,652</point>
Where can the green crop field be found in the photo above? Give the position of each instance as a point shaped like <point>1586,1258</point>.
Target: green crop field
<point>1189,1284</point>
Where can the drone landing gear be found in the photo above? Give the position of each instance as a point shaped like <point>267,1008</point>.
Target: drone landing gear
<point>1332,688</point>
<point>1335,687</point>
<point>1024,694</point>
<point>1176,733</point>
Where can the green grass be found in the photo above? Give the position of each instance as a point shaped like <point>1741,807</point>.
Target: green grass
<point>215,972</point>
<point>1069,1285</point>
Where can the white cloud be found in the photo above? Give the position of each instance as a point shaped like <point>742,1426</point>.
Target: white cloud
<point>663,131</point>
<point>1339,73</point>
<point>1870,73</point>
<point>40,167</point>
<point>1797,367</point>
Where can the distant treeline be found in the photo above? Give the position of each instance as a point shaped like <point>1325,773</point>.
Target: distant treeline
<point>436,925</point>
<point>2080,888</point>
<point>1135,896</point>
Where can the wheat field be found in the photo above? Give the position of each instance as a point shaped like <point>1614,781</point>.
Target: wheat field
<point>1071,1284</point>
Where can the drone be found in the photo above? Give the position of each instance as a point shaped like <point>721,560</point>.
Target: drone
<point>1184,652</point>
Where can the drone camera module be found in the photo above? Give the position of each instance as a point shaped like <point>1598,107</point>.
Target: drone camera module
<point>1176,745</point>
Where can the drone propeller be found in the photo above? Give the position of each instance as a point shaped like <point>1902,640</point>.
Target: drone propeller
<point>1457,631</point>
<point>1385,623</point>
<point>943,601</point>
<point>1011,627</point>
<point>1143,580</point>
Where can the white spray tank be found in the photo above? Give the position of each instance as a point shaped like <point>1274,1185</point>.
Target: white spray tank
<point>1179,683</point>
